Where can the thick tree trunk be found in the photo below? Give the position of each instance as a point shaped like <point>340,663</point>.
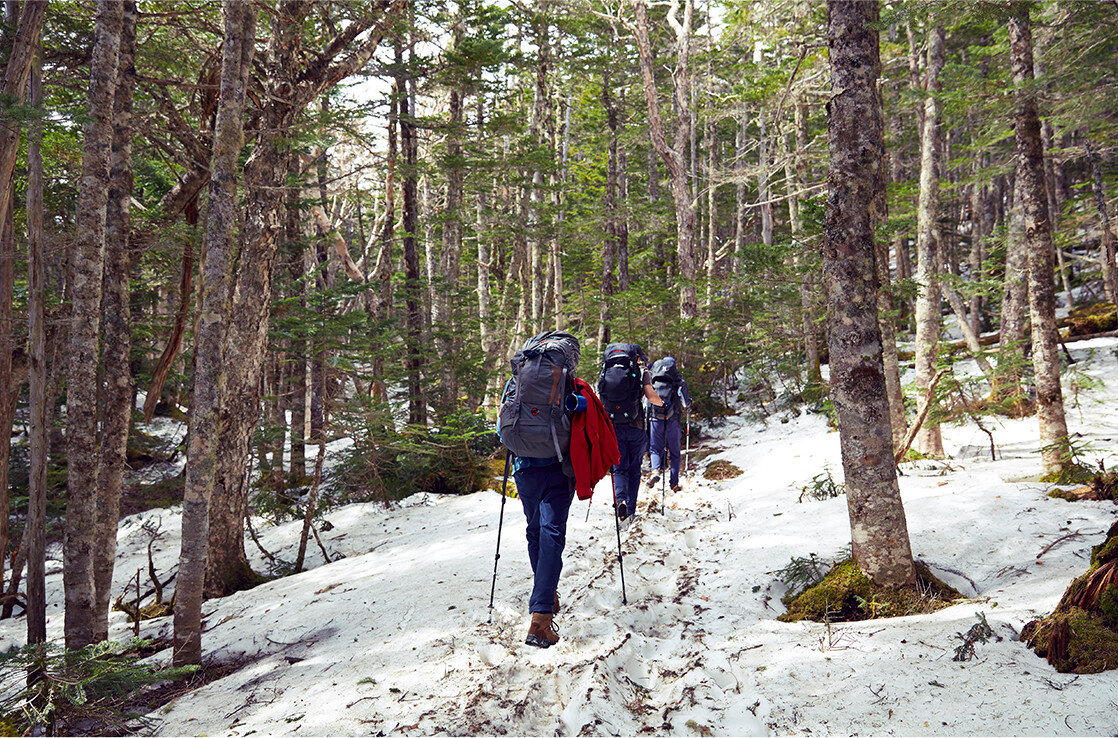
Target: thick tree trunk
<point>36,309</point>
<point>116,326</point>
<point>855,136</point>
<point>929,441</point>
<point>293,83</point>
<point>685,204</point>
<point>209,362</point>
<point>1038,238</point>
<point>85,277</point>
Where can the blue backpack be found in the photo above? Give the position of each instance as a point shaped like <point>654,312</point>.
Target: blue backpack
<point>532,421</point>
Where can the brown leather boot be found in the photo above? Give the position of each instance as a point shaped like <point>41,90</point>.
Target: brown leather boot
<point>540,633</point>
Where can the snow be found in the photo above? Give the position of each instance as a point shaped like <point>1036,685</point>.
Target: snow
<point>397,636</point>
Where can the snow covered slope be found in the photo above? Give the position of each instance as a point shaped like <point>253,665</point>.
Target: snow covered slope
<point>396,637</point>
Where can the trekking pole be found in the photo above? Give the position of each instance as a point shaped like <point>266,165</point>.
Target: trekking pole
<point>620,559</point>
<point>686,460</point>
<point>588,504</point>
<point>664,478</point>
<point>500,523</point>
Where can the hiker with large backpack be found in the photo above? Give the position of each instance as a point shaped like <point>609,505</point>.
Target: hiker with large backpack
<point>664,421</point>
<point>623,383</point>
<point>560,444</point>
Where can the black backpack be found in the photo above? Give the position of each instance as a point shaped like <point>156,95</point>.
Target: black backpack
<point>532,421</point>
<point>619,385</point>
<point>666,381</point>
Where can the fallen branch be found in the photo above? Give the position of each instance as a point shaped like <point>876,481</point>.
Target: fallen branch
<point>1058,541</point>
<point>926,405</point>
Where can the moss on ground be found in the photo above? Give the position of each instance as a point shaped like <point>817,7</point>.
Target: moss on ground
<point>1081,635</point>
<point>846,594</point>
<point>1075,642</point>
<point>1073,474</point>
<point>1101,486</point>
<point>1094,318</point>
<point>721,469</point>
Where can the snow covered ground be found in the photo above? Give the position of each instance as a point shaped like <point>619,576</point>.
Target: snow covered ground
<point>396,636</point>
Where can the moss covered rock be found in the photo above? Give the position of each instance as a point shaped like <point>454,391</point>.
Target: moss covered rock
<point>1075,641</point>
<point>846,594</point>
<point>1081,635</point>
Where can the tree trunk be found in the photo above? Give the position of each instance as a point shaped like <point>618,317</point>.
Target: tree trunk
<point>413,287</point>
<point>1052,191</point>
<point>855,136</point>
<point>36,309</point>
<point>116,326</point>
<point>685,204</point>
<point>209,362</point>
<point>1011,343</point>
<point>929,441</point>
<point>1106,244</point>
<point>13,89</point>
<point>1038,239</point>
<point>85,277</point>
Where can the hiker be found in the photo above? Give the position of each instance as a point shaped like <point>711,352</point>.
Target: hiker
<point>674,397</point>
<point>622,384</point>
<point>560,443</point>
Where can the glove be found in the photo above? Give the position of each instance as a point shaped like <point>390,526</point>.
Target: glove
<point>585,495</point>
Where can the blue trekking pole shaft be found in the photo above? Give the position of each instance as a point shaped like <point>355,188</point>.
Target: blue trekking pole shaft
<point>620,559</point>
<point>500,523</point>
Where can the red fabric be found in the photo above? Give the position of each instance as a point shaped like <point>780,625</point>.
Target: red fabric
<point>593,443</point>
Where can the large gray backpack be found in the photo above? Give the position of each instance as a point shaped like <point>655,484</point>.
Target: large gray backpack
<point>532,421</point>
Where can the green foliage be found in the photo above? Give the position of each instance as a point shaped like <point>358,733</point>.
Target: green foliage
<point>822,487</point>
<point>980,632</point>
<point>802,573</point>
<point>84,690</point>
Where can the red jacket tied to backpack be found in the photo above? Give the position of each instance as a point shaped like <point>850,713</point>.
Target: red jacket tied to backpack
<point>593,443</point>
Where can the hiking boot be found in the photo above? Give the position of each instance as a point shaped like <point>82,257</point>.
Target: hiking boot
<point>655,478</point>
<point>541,634</point>
<point>622,510</point>
<point>677,487</point>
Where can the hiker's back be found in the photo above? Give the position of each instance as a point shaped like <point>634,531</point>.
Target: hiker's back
<point>666,381</point>
<point>532,421</point>
<point>619,385</point>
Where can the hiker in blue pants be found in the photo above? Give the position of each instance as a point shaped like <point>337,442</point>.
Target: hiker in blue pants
<point>622,384</point>
<point>664,420</point>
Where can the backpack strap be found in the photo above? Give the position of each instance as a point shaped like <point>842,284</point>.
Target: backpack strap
<point>557,388</point>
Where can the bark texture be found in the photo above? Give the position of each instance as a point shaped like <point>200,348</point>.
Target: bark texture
<point>116,326</point>
<point>296,76</point>
<point>929,441</point>
<point>36,314</point>
<point>1039,246</point>
<point>855,136</point>
<point>86,264</point>
<point>209,361</point>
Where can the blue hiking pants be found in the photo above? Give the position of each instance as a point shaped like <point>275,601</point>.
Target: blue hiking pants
<point>546,494</point>
<point>665,433</point>
<point>631,442</point>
